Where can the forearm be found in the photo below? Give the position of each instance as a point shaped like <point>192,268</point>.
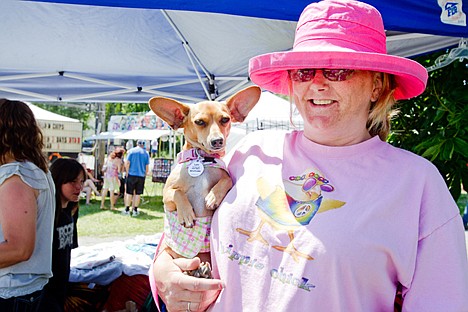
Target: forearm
<point>11,254</point>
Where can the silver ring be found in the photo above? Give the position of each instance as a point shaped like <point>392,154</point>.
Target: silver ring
<point>188,307</point>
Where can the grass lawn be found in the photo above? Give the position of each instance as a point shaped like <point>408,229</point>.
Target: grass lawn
<point>95,222</point>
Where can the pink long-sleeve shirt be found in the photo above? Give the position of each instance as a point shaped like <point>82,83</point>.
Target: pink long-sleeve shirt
<point>308,227</point>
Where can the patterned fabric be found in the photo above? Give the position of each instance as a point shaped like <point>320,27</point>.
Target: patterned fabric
<point>187,242</point>
<point>112,168</point>
<point>111,176</point>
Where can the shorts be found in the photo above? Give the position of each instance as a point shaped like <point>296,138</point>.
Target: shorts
<point>136,184</point>
<point>187,242</point>
<point>31,302</point>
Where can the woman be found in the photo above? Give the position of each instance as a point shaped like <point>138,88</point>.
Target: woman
<point>69,176</point>
<point>26,209</point>
<point>88,185</point>
<point>113,168</point>
<point>331,218</point>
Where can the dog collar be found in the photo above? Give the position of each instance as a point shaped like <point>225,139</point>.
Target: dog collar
<point>196,154</point>
<point>196,161</point>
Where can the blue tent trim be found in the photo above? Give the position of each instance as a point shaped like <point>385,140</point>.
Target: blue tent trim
<point>399,15</point>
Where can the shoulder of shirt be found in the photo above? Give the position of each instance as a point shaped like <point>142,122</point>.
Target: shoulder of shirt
<point>409,160</point>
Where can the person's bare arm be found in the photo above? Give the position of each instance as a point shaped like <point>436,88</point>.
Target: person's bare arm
<point>18,213</point>
<point>127,166</point>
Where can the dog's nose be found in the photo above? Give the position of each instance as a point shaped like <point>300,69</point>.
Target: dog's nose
<point>217,143</point>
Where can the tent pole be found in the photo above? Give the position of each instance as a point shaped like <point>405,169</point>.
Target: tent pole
<point>191,55</point>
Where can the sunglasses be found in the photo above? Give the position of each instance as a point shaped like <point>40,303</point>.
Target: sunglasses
<point>307,74</point>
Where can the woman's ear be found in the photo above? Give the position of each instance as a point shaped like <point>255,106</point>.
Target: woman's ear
<point>377,86</point>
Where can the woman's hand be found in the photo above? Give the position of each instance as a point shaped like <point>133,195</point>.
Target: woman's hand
<point>180,291</point>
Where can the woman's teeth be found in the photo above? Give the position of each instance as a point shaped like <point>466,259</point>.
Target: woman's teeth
<point>322,102</point>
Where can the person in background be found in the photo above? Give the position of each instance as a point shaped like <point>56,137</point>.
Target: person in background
<point>113,169</point>
<point>89,185</point>
<point>332,217</point>
<point>154,148</point>
<point>69,177</point>
<point>129,145</point>
<point>27,206</point>
<point>122,175</point>
<point>136,166</point>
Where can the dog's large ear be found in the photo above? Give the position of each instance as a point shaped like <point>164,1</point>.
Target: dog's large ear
<point>242,102</point>
<point>169,110</point>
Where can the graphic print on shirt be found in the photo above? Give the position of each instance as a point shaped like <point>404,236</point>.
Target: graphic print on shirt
<point>65,236</point>
<point>290,208</point>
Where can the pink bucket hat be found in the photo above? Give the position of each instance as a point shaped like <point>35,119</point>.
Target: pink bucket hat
<point>338,34</point>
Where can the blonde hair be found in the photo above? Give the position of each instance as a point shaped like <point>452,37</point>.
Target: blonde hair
<point>381,111</point>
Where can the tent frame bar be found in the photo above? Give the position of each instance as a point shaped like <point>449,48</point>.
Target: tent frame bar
<point>192,56</point>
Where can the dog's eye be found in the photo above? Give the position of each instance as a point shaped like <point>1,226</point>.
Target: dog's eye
<point>200,122</point>
<point>225,120</point>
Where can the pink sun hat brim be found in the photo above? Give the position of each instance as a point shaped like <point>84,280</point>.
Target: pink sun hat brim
<point>323,40</point>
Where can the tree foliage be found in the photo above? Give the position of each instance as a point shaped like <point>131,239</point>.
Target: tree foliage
<point>126,108</point>
<point>435,124</point>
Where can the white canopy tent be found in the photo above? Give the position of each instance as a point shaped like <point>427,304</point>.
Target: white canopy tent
<point>143,134</point>
<point>129,51</point>
<point>137,134</point>
<point>106,135</point>
<point>272,112</point>
<point>42,114</point>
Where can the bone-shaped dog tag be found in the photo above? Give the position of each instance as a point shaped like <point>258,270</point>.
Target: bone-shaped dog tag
<point>195,168</point>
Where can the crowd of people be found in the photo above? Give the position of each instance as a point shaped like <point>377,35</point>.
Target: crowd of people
<point>328,217</point>
<point>122,170</point>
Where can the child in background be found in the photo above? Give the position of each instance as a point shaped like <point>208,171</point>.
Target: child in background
<point>69,176</point>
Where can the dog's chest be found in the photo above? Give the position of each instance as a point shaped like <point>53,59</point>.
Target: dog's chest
<point>197,186</point>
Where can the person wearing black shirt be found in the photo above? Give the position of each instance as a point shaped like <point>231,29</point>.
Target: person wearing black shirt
<point>69,176</point>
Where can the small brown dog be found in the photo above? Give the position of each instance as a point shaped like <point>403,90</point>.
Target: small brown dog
<point>199,181</point>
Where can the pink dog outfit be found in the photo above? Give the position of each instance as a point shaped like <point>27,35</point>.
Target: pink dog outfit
<point>188,242</point>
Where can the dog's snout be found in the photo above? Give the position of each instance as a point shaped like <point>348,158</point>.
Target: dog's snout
<point>217,143</point>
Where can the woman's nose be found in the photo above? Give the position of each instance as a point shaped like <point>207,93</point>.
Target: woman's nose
<point>319,82</point>
<point>319,75</point>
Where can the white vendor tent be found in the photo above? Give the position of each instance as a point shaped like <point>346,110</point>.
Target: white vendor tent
<point>128,51</point>
<point>272,112</point>
<point>62,135</point>
<point>144,134</point>
<point>42,114</point>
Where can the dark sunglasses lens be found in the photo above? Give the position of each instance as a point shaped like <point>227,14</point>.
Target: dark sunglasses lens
<point>304,75</point>
<point>338,74</point>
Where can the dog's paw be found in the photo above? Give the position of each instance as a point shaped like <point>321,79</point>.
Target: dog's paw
<point>203,271</point>
<point>210,201</point>
<point>186,218</point>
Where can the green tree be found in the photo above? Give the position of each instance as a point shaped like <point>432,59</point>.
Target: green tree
<point>435,124</point>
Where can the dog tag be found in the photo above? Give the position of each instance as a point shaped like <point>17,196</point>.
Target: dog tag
<point>195,168</point>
